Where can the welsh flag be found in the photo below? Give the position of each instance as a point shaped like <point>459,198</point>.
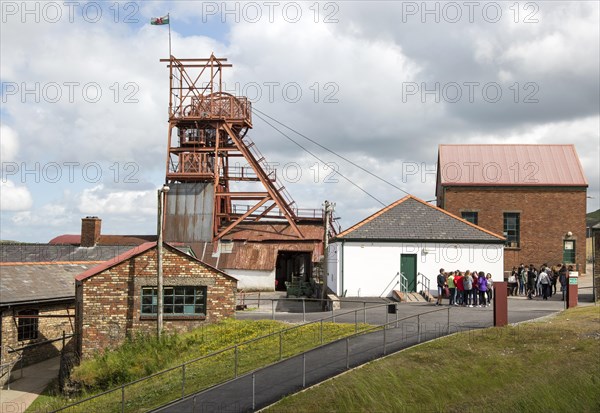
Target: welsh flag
<point>158,21</point>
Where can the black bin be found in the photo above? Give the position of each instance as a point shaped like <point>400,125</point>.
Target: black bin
<point>391,308</point>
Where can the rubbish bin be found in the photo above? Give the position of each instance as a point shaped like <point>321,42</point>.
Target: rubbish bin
<point>392,308</point>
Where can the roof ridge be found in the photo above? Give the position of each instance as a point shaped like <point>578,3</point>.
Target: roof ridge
<point>15,263</point>
<point>423,202</point>
<point>460,219</point>
<point>373,216</point>
<point>134,252</point>
<point>130,253</point>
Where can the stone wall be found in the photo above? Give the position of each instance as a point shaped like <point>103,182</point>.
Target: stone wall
<point>49,328</point>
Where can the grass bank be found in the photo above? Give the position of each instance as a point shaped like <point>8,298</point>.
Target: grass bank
<point>545,366</point>
<point>145,355</point>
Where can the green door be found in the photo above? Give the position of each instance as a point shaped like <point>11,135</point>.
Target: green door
<point>408,267</point>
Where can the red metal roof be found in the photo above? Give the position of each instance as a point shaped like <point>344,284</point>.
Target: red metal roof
<point>510,165</point>
<point>71,239</point>
<point>75,239</point>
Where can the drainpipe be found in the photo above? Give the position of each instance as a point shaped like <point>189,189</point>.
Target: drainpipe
<point>159,267</point>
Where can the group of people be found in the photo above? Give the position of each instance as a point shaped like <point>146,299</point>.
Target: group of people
<point>467,289</point>
<point>530,282</point>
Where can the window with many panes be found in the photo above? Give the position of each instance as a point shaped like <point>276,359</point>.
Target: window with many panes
<point>470,216</point>
<point>569,251</point>
<point>512,229</point>
<point>176,301</point>
<point>27,327</point>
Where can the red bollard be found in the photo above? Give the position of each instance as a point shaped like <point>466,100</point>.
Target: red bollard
<point>500,303</point>
<point>572,289</point>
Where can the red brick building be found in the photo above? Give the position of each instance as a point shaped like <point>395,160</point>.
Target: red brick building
<point>118,297</point>
<point>535,195</point>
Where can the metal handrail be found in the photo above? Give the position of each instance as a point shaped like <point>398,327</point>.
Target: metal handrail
<point>403,283</point>
<point>341,300</point>
<point>425,282</point>
<point>9,366</point>
<point>215,353</point>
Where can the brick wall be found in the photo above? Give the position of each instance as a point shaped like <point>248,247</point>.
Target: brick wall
<point>48,328</point>
<point>546,215</point>
<point>90,231</point>
<point>109,303</point>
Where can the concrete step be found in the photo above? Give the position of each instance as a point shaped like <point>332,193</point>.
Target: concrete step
<point>408,297</point>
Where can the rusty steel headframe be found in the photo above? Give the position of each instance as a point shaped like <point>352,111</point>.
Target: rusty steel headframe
<point>207,130</point>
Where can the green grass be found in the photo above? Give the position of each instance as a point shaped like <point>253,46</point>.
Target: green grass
<point>144,355</point>
<point>545,366</point>
<point>594,215</point>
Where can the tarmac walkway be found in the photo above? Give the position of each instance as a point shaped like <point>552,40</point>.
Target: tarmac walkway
<point>26,388</point>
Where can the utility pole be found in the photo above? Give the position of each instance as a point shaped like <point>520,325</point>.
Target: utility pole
<point>328,213</point>
<point>159,270</point>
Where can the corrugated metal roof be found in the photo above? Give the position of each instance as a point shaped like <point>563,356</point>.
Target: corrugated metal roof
<point>259,256</point>
<point>27,282</point>
<point>510,165</point>
<point>412,219</point>
<point>275,232</point>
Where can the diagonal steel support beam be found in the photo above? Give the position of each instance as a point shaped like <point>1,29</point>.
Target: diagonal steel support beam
<point>240,219</point>
<point>275,195</point>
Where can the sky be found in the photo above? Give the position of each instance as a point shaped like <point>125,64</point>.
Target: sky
<point>84,98</point>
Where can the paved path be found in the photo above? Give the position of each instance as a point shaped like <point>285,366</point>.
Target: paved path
<point>24,391</point>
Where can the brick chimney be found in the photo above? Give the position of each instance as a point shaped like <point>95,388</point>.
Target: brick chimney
<point>90,231</point>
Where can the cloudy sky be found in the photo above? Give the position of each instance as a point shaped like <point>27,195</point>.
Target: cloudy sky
<point>84,97</point>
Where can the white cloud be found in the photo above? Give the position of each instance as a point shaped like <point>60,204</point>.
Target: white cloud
<point>369,55</point>
<point>100,201</point>
<point>9,143</point>
<point>13,197</point>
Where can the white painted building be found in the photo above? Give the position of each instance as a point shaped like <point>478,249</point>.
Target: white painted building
<point>410,237</point>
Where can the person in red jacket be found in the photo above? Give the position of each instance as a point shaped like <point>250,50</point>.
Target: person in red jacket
<point>458,280</point>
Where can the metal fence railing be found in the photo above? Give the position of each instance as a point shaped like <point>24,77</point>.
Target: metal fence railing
<point>285,308</point>
<point>221,366</point>
<point>262,387</point>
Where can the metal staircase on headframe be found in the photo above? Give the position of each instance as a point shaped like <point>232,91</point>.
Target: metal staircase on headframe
<point>207,133</point>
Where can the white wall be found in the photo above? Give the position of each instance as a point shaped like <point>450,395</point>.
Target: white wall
<point>366,269</point>
<point>254,280</point>
<point>332,267</point>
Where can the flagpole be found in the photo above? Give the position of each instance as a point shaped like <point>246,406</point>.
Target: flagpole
<point>169,20</point>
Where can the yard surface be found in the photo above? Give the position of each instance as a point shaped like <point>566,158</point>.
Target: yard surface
<point>549,365</point>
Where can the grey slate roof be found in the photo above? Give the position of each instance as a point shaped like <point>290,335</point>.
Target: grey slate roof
<point>22,283</point>
<point>53,253</point>
<point>412,219</point>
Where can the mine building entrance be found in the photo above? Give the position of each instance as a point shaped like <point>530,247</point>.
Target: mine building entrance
<point>292,267</point>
